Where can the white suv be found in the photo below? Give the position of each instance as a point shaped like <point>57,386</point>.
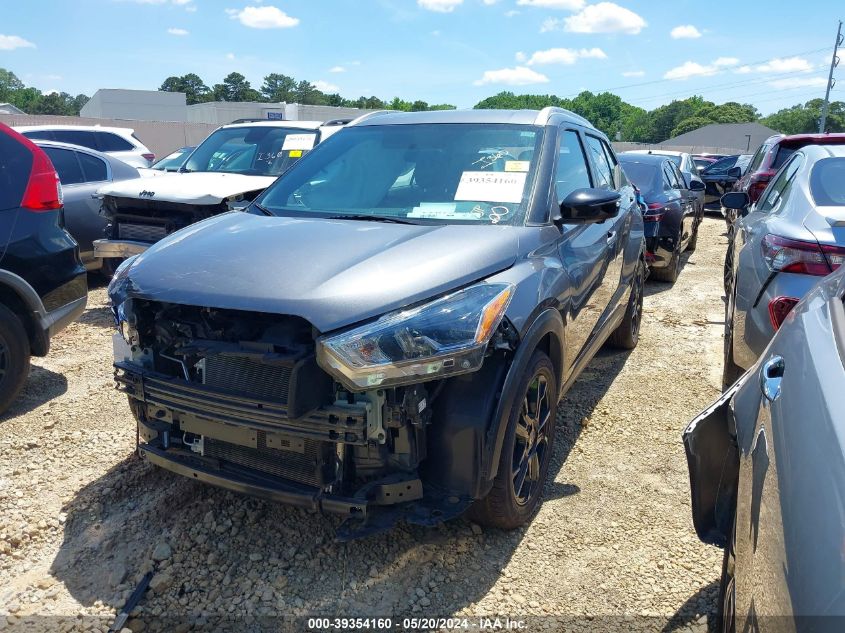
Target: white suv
<point>120,142</point>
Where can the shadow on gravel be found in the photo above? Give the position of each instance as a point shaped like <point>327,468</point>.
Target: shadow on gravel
<point>654,287</point>
<point>42,386</point>
<point>701,605</point>
<point>227,554</point>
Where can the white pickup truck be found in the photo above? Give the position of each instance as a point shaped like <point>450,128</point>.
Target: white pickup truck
<point>225,172</point>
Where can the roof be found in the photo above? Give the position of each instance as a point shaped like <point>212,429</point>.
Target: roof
<point>305,125</point>
<point>641,157</point>
<point>8,108</point>
<point>734,135</point>
<point>514,117</point>
<point>90,128</point>
<point>656,152</point>
<point>817,152</point>
<point>812,139</point>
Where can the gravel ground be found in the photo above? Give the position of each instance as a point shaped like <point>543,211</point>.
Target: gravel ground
<point>82,520</point>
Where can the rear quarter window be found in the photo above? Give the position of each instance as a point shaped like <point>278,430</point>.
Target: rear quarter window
<point>827,182</point>
<point>110,142</point>
<point>15,165</point>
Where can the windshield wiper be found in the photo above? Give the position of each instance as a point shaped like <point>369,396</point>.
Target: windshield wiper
<point>263,209</point>
<point>371,218</point>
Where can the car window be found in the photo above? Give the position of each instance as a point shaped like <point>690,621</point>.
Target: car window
<point>778,190</point>
<point>604,172</point>
<point>571,171</point>
<point>782,156</point>
<point>619,176</point>
<point>679,176</point>
<point>66,164</point>
<point>45,135</point>
<point>471,173</point>
<point>76,137</point>
<point>827,182</point>
<point>671,173</point>
<point>648,177</point>
<point>111,142</point>
<point>15,165</point>
<point>757,159</point>
<point>93,168</point>
<point>720,167</point>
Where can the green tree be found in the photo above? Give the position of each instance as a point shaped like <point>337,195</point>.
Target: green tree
<point>9,84</point>
<point>235,87</point>
<point>804,118</point>
<point>191,84</point>
<point>279,88</point>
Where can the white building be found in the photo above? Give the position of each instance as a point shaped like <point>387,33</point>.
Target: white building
<point>136,105</point>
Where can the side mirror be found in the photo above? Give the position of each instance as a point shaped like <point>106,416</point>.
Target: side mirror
<point>696,185</point>
<point>586,206</point>
<point>735,172</point>
<point>737,200</point>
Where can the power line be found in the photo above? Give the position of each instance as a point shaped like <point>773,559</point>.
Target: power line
<point>834,62</point>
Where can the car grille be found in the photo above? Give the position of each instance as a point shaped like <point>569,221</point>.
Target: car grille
<point>311,466</point>
<point>243,376</point>
<point>142,232</point>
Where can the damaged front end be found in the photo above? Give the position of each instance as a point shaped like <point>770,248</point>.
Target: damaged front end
<point>265,405</point>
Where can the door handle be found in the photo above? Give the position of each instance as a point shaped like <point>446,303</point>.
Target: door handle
<point>611,236</point>
<point>771,376</point>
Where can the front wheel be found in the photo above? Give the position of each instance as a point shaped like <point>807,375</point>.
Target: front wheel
<point>627,335</point>
<point>526,452</point>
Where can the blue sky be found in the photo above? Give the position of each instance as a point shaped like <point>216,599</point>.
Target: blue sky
<point>649,52</point>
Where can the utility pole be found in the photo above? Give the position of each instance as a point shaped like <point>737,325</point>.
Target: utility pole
<point>834,62</point>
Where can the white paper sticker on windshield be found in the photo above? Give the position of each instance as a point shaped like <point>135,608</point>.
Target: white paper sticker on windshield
<point>517,165</point>
<point>486,186</point>
<point>440,211</point>
<point>299,141</point>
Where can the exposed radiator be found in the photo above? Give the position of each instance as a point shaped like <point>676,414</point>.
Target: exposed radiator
<point>312,466</point>
<point>241,375</point>
<point>142,232</point>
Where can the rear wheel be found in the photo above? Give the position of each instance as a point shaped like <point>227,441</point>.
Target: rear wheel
<point>693,241</point>
<point>730,370</point>
<point>14,357</point>
<point>627,334</point>
<point>727,585</point>
<point>670,273</point>
<point>526,452</point>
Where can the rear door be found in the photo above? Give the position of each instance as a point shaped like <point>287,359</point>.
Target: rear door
<point>689,202</point>
<point>15,166</point>
<point>118,147</point>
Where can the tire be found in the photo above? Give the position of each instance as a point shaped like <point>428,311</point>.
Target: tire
<point>627,335</point>
<point>730,370</point>
<point>14,357</point>
<point>727,585</point>
<point>518,486</point>
<point>728,272</point>
<point>693,241</point>
<point>670,273</point>
<point>110,265</point>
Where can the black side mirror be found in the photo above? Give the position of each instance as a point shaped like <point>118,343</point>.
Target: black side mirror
<point>737,200</point>
<point>735,172</point>
<point>585,206</point>
<point>696,185</point>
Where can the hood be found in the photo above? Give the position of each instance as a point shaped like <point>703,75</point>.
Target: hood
<point>191,188</point>
<point>331,272</point>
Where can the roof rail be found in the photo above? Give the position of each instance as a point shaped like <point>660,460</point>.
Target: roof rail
<point>546,113</point>
<point>337,122</point>
<point>370,115</point>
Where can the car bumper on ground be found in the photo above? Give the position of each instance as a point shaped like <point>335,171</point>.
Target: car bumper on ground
<point>120,249</point>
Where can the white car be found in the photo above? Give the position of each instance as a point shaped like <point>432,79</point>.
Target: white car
<point>119,142</point>
<point>224,173</point>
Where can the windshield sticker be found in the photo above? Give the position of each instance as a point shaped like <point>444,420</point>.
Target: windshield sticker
<point>491,187</point>
<point>299,141</point>
<point>440,211</point>
<point>295,153</point>
<point>517,165</point>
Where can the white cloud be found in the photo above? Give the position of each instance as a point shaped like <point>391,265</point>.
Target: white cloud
<point>230,56</point>
<point>518,76</point>
<point>337,69</point>
<point>268,17</point>
<point>634,73</point>
<point>521,57</point>
<point>799,82</point>
<point>551,24</point>
<point>566,56</point>
<point>723,62</point>
<point>174,31</point>
<point>511,13</point>
<point>685,32</point>
<point>569,5</point>
<point>440,6</point>
<point>11,42</point>
<point>325,86</point>
<point>604,17</point>
<point>690,69</point>
<point>743,70</point>
<point>490,3</point>
<point>785,65</point>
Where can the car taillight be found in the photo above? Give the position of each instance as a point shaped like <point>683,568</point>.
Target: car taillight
<point>149,157</point>
<point>43,191</point>
<point>805,258</point>
<point>779,309</point>
<point>758,185</point>
<point>654,213</point>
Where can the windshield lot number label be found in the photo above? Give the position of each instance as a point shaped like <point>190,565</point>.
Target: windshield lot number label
<point>299,141</point>
<point>484,186</point>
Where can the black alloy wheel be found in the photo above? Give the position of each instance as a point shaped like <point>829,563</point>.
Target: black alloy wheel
<point>727,585</point>
<point>627,335</point>
<point>532,439</point>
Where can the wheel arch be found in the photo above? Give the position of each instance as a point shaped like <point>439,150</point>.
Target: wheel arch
<point>23,300</point>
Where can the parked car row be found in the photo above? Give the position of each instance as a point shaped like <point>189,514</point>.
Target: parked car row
<point>766,463</point>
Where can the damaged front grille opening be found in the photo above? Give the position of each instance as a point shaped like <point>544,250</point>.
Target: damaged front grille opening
<point>240,394</point>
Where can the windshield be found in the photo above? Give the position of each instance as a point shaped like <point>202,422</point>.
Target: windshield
<point>827,182</point>
<point>429,173</point>
<point>173,161</point>
<point>251,150</point>
<point>721,166</point>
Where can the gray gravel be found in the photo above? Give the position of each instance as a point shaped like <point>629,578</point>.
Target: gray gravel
<point>81,520</point>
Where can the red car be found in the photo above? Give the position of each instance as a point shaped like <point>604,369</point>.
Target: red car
<point>773,153</point>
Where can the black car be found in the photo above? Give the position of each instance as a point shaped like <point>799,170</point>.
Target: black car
<point>43,286</point>
<point>395,319</point>
<point>671,219</point>
<point>721,176</point>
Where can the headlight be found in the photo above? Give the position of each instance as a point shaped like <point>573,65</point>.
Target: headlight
<point>118,294</point>
<point>445,337</point>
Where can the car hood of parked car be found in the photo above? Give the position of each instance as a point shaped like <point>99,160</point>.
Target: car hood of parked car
<point>332,273</point>
<point>188,188</point>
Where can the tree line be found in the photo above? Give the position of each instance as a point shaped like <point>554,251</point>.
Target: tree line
<point>608,112</point>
